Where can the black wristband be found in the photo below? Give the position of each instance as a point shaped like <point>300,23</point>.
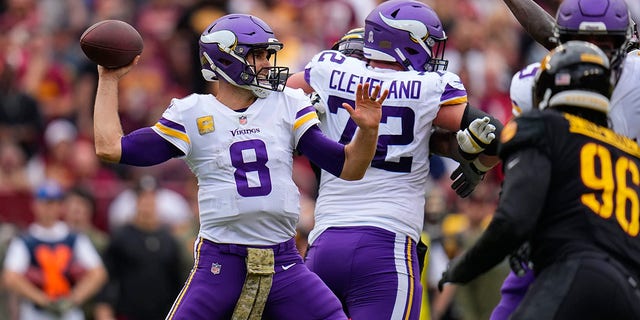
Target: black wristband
<point>477,140</point>
<point>466,155</point>
<point>472,113</point>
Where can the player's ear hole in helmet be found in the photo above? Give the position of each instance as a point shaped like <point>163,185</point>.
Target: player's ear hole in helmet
<point>575,77</point>
<point>228,50</point>
<point>408,32</point>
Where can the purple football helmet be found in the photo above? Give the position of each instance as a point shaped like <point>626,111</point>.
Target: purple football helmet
<point>408,32</point>
<point>605,23</point>
<point>225,45</point>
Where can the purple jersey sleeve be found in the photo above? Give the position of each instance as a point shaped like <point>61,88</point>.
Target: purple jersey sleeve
<point>322,151</point>
<point>144,147</point>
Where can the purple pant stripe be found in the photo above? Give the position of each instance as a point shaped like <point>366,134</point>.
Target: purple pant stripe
<point>176,304</point>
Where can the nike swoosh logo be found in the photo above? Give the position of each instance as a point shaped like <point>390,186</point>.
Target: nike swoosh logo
<point>288,266</point>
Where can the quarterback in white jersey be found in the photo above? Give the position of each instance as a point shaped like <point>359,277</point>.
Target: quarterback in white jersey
<point>233,156</point>
<point>240,144</point>
<point>363,244</point>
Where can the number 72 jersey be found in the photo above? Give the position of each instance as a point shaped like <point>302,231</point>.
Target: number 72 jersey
<point>391,194</point>
<point>243,162</point>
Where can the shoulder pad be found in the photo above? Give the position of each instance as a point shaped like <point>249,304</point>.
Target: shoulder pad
<point>526,130</point>
<point>295,93</point>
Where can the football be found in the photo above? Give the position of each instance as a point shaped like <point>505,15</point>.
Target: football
<point>111,43</point>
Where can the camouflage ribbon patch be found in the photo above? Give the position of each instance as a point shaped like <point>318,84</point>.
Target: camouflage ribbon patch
<point>255,291</point>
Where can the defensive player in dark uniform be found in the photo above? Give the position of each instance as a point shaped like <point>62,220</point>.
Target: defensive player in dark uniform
<point>607,24</point>
<point>571,189</point>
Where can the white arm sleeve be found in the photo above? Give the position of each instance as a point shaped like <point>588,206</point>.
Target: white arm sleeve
<point>17,258</point>
<point>86,253</point>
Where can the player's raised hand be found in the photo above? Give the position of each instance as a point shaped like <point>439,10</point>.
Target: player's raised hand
<point>368,110</point>
<point>117,73</point>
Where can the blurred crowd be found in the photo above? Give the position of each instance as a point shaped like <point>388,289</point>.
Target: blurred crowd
<point>47,87</point>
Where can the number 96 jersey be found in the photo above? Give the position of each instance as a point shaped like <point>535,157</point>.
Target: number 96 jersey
<point>243,162</point>
<point>592,197</point>
<point>391,194</point>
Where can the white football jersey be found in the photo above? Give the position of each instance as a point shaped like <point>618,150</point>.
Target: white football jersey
<point>243,162</point>
<point>391,194</point>
<point>521,89</point>
<point>624,112</point>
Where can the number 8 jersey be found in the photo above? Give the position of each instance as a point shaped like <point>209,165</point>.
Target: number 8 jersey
<point>391,194</point>
<point>243,162</point>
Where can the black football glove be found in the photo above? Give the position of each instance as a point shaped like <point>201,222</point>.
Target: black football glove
<point>519,260</point>
<point>465,178</point>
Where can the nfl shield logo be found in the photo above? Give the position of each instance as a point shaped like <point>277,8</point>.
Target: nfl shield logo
<point>215,268</point>
<point>243,120</point>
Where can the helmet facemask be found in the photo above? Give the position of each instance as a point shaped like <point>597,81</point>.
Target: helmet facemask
<point>272,78</point>
<point>437,61</point>
<point>614,44</point>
